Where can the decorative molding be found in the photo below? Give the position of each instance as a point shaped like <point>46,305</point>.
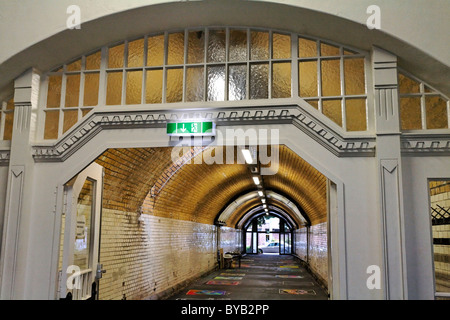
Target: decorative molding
<point>96,122</point>
<point>425,145</point>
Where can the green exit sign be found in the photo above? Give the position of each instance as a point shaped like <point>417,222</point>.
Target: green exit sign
<point>192,128</point>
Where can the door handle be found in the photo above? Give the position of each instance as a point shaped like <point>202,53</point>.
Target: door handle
<point>100,271</point>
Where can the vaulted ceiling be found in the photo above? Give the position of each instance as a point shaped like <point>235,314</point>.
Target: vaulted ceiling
<point>190,184</point>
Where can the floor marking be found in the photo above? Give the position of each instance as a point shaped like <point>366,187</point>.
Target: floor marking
<point>287,276</point>
<point>232,274</point>
<point>297,291</point>
<point>206,292</point>
<point>290,283</point>
<point>291,267</point>
<point>223,282</point>
<point>227,278</point>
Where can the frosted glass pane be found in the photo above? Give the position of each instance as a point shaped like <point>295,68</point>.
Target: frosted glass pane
<point>195,87</point>
<point>51,124</point>
<point>331,79</point>
<point>10,104</point>
<point>136,53</point>
<point>216,46</point>
<point>134,87</point>
<point>307,48</point>
<point>281,80</point>
<point>54,91</point>
<point>259,49</point>
<point>85,112</point>
<point>216,83</point>
<point>93,61</point>
<point>176,48</point>
<point>355,114</point>
<point>436,112</point>
<point>281,46</point>
<point>332,109</point>
<point>174,88</point>
<point>408,85</point>
<point>237,82</point>
<point>72,90</point>
<point>153,86</point>
<point>155,51</point>
<point>259,81</point>
<point>196,47</point>
<point>314,103</point>
<point>410,113</point>
<point>74,66</point>
<point>91,87</point>
<point>328,50</point>
<point>354,76</point>
<point>70,118</point>
<point>308,79</point>
<point>9,122</point>
<point>114,88</point>
<point>238,45</point>
<point>115,56</point>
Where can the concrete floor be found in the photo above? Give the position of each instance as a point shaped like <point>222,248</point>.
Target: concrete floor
<point>261,277</point>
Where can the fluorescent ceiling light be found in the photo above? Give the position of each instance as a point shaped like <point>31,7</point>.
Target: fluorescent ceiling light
<point>260,193</point>
<point>256,180</point>
<point>264,206</point>
<point>263,200</point>
<point>247,156</point>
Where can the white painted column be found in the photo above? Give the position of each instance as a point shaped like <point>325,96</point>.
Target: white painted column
<point>390,174</point>
<point>18,210</point>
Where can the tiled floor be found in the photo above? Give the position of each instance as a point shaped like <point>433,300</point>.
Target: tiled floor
<point>260,277</point>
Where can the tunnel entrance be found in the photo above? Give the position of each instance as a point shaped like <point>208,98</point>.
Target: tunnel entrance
<point>268,234</point>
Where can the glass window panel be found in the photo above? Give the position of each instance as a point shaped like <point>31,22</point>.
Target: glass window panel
<point>70,118</point>
<point>354,76</point>
<point>91,87</point>
<point>216,83</point>
<point>348,52</point>
<point>216,46</point>
<point>72,90</point>
<point>93,61</point>
<point>195,87</point>
<point>238,45</point>
<point>333,110</point>
<point>407,85</point>
<point>259,49</point>
<point>114,88</point>
<point>174,87</point>
<point>237,82</point>
<point>355,114</point>
<point>54,91</point>
<point>85,112</point>
<point>74,66</point>
<point>153,86</point>
<point>10,104</point>
<point>9,122</point>
<point>281,80</point>
<point>330,77</point>
<point>410,113</point>
<point>436,112</point>
<point>314,103</point>
<point>307,48</point>
<point>175,53</point>
<point>155,51</point>
<point>328,50</point>
<point>259,81</point>
<point>308,78</point>
<point>83,222</point>
<point>281,48</point>
<point>134,87</point>
<point>51,124</point>
<point>196,47</point>
<point>115,56</point>
<point>135,53</point>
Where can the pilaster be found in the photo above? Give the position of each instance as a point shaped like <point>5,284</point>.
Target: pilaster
<point>388,155</point>
<point>18,210</point>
